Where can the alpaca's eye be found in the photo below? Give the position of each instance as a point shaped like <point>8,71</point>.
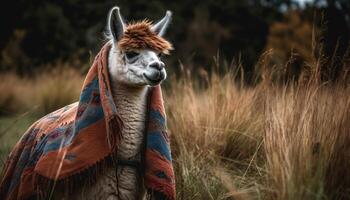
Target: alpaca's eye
<point>131,54</point>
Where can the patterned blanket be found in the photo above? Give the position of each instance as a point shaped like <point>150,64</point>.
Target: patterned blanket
<point>80,136</point>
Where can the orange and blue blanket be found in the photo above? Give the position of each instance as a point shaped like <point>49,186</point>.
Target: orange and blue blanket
<point>78,137</point>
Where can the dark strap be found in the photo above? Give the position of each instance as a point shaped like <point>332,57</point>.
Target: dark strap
<point>130,163</point>
<point>134,162</point>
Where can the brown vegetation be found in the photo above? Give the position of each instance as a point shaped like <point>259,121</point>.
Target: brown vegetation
<point>44,93</point>
<point>271,141</point>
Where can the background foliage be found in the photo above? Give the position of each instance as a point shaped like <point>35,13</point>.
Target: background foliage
<point>40,32</point>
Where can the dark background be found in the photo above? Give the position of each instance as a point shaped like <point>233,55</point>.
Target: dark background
<point>35,33</point>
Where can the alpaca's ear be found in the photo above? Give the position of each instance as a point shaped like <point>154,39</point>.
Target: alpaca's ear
<point>115,24</point>
<point>162,25</point>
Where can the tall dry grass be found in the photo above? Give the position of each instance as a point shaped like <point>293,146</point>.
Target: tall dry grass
<point>272,141</point>
<point>40,94</point>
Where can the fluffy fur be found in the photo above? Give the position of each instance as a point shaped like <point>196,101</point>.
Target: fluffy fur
<point>139,36</point>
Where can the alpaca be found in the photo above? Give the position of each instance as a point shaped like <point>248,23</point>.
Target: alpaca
<point>131,73</point>
<point>112,143</point>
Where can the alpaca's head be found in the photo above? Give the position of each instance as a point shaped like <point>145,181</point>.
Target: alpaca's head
<point>135,57</point>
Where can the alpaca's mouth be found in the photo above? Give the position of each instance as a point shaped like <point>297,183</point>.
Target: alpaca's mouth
<point>154,81</point>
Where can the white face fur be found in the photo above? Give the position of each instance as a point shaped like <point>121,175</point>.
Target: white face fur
<point>137,68</point>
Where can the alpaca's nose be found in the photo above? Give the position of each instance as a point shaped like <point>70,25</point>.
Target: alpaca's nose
<point>157,65</point>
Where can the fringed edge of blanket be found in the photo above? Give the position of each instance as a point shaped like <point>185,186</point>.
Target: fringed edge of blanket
<point>45,186</point>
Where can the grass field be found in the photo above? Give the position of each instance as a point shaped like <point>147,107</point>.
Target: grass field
<point>271,141</point>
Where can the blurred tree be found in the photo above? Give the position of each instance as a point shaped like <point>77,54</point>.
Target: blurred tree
<point>335,38</point>
<point>291,42</point>
<point>291,39</point>
<point>52,30</point>
<point>10,18</point>
<point>235,28</point>
<point>60,29</point>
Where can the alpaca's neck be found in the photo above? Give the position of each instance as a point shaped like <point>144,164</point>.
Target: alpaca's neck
<point>130,102</point>
<point>131,106</point>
